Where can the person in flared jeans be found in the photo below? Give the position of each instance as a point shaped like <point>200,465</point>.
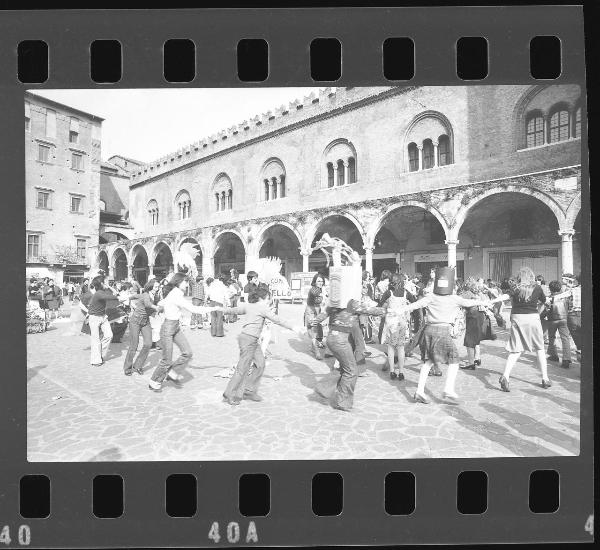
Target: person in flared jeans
<point>137,326</point>
<point>340,346</point>
<point>170,333</point>
<point>99,345</point>
<point>241,384</point>
<point>216,320</point>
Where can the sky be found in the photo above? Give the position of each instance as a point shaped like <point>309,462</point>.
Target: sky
<point>150,123</point>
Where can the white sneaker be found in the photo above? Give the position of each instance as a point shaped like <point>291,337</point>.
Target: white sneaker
<point>154,386</point>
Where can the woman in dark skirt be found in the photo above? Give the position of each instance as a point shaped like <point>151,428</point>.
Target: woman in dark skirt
<point>477,324</point>
<point>526,332</point>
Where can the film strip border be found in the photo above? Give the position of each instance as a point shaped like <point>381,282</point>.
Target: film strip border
<point>375,495</point>
<point>282,47</point>
<point>351,503</point>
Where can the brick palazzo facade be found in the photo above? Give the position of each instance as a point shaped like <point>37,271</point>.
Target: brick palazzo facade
<point>486,178</point>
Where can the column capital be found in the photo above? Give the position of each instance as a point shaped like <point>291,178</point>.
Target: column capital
<point>451,242</point>
<point>435,143</point>
<point>305,251</point>
<point>369,249</point>
<point>345,163</point>
<point>420,147</point>
<point>566,233</point>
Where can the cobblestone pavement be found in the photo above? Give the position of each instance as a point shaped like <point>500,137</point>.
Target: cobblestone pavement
<point>81,413</point>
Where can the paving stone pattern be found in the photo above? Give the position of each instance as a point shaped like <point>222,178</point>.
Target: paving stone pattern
<point>81,413</point>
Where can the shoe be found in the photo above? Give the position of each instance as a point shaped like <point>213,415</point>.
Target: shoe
<point>139,371</point>
<point>155,386</point>
<point>468,367</point>
<point>565,364</point>
<point>450,397</point>
<point>477,362</point>
<point>230,400</point>
<point>400,377</point>
<point>393,375</point>
<point>437,371</point>
<point>128,372</point>
<point>340,408</point>
<point>253,397</point>
<point>420,398</point>
<point>546,384</point>
<point>174,377</point>
<point>97,364</point>
<point>553,358</point>
<point>504,384</point>
<point>367,353</point>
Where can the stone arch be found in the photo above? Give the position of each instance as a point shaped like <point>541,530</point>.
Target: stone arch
<point>162,258</point>
<point>119,263</point>
<point>224,261</point>
<point>139,262</point>
<point>190,238</point>
<point>258,239</point>
<point>272,177</point>
<point>463,212</point>
<point>159,245</point>
<point>379,223</point>
<point>102,261</point>
<point>311,231</point>
<point>571,214</point>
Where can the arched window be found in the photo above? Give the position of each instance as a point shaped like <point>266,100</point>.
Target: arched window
<point>444,153</point>
<point>153,212</point>
<point>427,154</point>
<point>223,192</point>
<point>273,176</point>
<point>433,131</point>
<point>577,123</point>
<point>351,170</point>
<point>184,203</point>
<point>339,163</point>
<point>559,126</point>
<point>535,130</point>
<point>413,157</point>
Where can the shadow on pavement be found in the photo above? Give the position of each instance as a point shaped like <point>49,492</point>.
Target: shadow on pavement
<point>530,427</point>
<point>111,454</point>
<point>32,372</point>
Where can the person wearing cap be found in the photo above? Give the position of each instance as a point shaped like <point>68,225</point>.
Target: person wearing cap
<point>442,308</point>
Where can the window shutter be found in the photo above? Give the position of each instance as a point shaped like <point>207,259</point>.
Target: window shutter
<point>27,109</point>
<point>74,124</point>
<point>50,123</point>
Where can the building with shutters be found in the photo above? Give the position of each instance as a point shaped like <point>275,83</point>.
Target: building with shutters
<point>62,179</point>
<point>484,178</point>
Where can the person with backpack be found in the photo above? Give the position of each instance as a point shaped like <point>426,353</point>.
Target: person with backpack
<point>556,316</point>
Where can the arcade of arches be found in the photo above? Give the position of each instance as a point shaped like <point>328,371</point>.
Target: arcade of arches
<point>489,234</point>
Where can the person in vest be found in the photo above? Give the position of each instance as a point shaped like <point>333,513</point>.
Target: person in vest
<point>442,308</point>
<point>574,312</point>
<point>557,312</point>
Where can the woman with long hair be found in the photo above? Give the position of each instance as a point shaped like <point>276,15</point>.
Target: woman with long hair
<point>314,302</point>
<point>139,322</point>
<point>526,328</point>
<point>173,302</point>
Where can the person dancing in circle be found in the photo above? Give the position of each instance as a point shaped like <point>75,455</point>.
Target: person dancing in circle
<point>526,332</point>
<point>442,308</point>
<point>173,302</point>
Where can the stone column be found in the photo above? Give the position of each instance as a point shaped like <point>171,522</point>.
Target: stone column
<point>305,256</point>
<point>369,259</point>
<point>420,150</point>
<point>208,266</point>
<point>435,154</point>
<point>335,174</point>
<point>345,172</point>
<point>130,270</point>
<point>451,244</point>
<point>566,254</point>
<point>267,189</point>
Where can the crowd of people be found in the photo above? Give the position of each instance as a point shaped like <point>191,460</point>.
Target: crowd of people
<point>402,313</point>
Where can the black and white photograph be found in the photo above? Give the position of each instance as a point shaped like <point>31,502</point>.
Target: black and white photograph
<point>224,274</point>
